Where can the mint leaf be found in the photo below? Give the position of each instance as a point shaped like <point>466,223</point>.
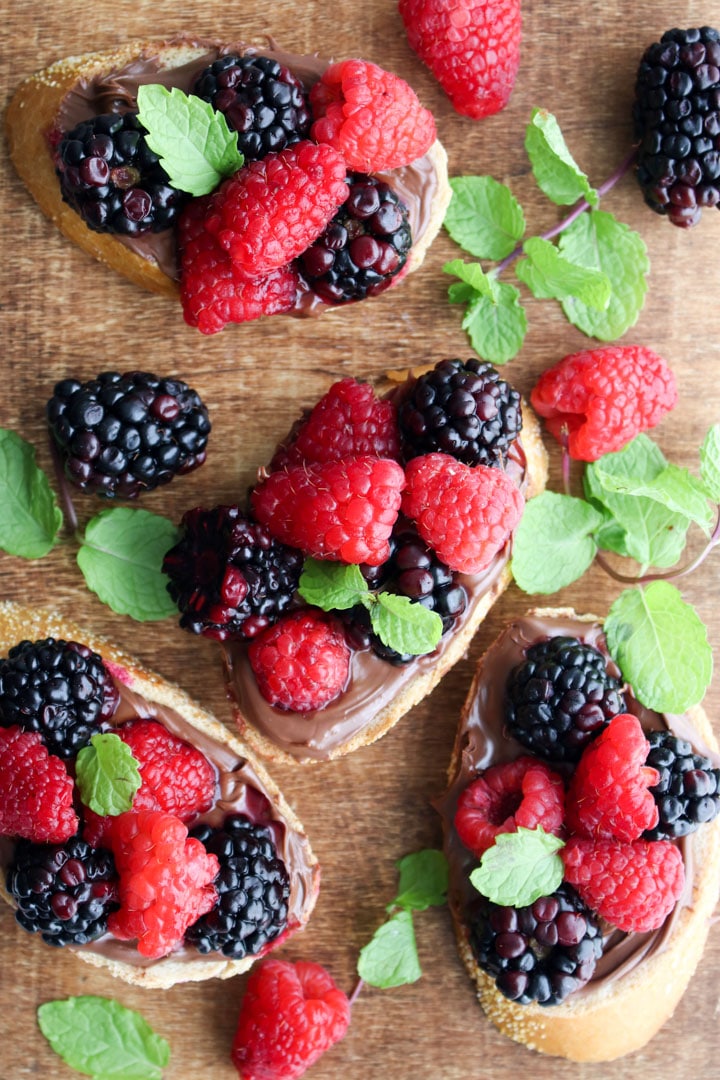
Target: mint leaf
<point>550,276</point>
<point>661,647</point>
<point>101,1038</point>
<point>674,488</point>
<point>30,519</point>
<point>390,958</point>
<point>496,324</point>
<point>196,146</point>
<point>484,217</point>
<point>520,867</point>
<point>475,281</point>
<point>600,242</point>
<point>710,463</point>
<point>404,625</point>
<point>553,544</point>
<point>553,166</point>
<point>332,586</point>
<point>423,881</point>
<point>121,560</point>
<point>107,775</point>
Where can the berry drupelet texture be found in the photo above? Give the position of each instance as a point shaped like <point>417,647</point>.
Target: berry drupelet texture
<point>302,662</point>
<point>688,789</point>
<point>36,790</point>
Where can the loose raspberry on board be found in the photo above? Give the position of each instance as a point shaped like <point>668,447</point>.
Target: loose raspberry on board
<point>36,791</point>
<point>302,662</point>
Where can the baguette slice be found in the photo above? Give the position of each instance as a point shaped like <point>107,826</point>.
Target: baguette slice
<point>238,773</point>
<point>620,1012</point>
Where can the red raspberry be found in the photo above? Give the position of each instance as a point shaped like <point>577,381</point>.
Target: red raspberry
<point>634,886</point>
<point>36,792</point>
<point>348,421</point>
<point>465,514</point>
<point>600,399</point>
<point>372,117</point>
<point>165,880</point>
<point>608,795</point>
<point>472,48</point>
<point>341,510</point>
<point>271,210</point>
<point>301,662</point>
<point>290,1015</point>
<point>522,793</point>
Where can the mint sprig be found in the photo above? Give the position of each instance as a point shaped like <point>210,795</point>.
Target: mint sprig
<point>520,867</point>
<point>107,775</point>
<point>30,520</point>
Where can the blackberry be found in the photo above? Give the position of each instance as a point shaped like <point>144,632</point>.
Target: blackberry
<point>64,892</point>
<point>365,245</point>
<point>228,576</point>
<point>540,953</point>
<point>677,122</point>
<point>261,99</point>
<point>462,409</point>
<point>688,791</point>
<point>253,890</point>
<point>120,435</point>
<point>112,178</point>
<point>560,698</point>
<point>58,688</point>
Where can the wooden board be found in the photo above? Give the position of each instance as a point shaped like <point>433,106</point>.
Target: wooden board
<point>63,314</point>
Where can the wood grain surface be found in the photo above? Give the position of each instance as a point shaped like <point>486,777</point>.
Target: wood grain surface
<point>64,314</point>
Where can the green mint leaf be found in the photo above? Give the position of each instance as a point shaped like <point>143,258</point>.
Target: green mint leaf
<point>474,281</point>
<point>554,544</point>
<point>404,625</point>
<point>710,463</point>
<point>484,217</point>
<point>390,958</point>
<point>101,1038</point>
<point>332,586</point>
<point>196,146</point>
<point>496,324</point>
<point>30,519</point>
<point>107,775</point>
<point>675,488</point>
<point>553,166</point>
<point>600,242</point>
<point>661,647</point>
<point>551,277</point>
<point>121,560</point>
<point>520,867</point>
<point>423,881</point>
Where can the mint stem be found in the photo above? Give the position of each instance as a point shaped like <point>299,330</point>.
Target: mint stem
<point>356,992</point>
<point>565,443</point>
<point>671,575</point>
<point>69,514</point>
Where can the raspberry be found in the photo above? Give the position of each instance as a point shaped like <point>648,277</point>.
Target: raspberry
<point>271,210</point>
<point>472,48</point>
<point>121,435</point>
<point>290,1015</point>
<point>688,789</point>
<point>677,122</point>
<point>36,792</point>
<point>608,795</point>
<point>302,662</point>
<point>599,399</point>
<point>522,793</point>
<point>165,880</point>
<point>341,510</point>
<point>634,886</point>
<point>228,576</point>
<point>464,514</point>
<point>372,117</point>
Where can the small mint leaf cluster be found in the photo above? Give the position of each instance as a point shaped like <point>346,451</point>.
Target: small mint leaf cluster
<point>520,867</point>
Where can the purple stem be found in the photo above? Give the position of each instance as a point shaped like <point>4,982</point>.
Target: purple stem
<point>671,575</point>
<point>356,992</point>
<point>66,503</point>
<point>565,442</point>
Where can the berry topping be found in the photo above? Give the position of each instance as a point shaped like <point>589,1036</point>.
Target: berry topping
<point>466,515</point>
<point>688,789</point>
<point>36,792</point>
<point>522,793</point>
<point>302,662</point>
<point>560,698</point>
<point>290,1015</point>
<point>253,890</point>
<point>462,409</point>
<point>120,435</point>
<point>65,893</point>
<point>342,510</point>
<point>58,688</point>
<point>228,576</point>
<point>597,400</point>
<point>472,48</point>
<point>372,117</point>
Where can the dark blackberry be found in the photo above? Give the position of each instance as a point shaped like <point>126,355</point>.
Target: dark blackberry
<point>228,576</point>
<point>120,435</point>
<point>64,892</point>
<point>560,698</point>
<point>261,99</point>
<point>462,409</point>
<point>688,791</point>
<point>540,953</point>
<point>113,179</point>
<point>58,688</point>
<point>365,245</point>
<point>677,122</point>
<point>253,890</point>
